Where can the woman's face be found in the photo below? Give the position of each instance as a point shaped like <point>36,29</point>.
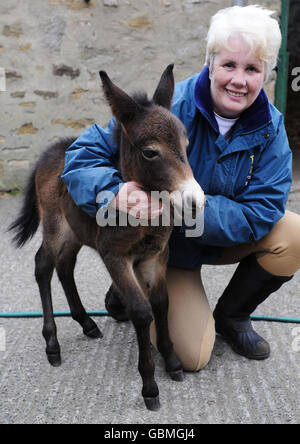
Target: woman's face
<point>237,77</point>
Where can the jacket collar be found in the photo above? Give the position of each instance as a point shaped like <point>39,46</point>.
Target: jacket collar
<point>254,117</point>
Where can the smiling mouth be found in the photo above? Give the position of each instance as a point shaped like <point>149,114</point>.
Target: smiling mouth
<point>235,94</point>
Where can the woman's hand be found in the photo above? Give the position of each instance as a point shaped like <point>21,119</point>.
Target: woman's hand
<point>133,200</point>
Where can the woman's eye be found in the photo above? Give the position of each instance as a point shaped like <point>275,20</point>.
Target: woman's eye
<point>149,153</point>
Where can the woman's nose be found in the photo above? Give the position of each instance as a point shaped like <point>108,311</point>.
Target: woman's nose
<point>238,79</point>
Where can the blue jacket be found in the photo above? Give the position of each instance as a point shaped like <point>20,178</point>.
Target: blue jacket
<point>246,180</point>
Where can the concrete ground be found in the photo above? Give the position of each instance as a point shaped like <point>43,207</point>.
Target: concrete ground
<point>98,381</point>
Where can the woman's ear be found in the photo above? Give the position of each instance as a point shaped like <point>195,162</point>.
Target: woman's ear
<point>211,64</point>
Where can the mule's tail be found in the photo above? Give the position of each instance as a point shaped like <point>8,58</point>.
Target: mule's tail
<point>27,223</point>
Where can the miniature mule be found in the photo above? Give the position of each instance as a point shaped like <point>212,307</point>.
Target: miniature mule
<point>152,146</point>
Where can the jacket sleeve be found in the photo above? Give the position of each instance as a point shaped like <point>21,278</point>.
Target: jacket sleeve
<point>253,212</point>
<point>90,167</point>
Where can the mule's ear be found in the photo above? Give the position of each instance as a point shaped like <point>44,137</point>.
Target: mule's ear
<point>165,89</point>
<point>123,107</point>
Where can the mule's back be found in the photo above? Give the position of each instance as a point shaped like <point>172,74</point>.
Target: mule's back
<point>49,167</point>
<point>63,221</point>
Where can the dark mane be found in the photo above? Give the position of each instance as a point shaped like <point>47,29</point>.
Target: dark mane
<point>142,99</point>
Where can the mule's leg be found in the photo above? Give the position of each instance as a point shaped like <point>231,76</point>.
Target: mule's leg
<point>65,270</point>
<point>44,266</point>
<point>151,274</point>
<point>140,313</point>
<point>114,305</point>
<point>160,304</point>
<point>141,319</point>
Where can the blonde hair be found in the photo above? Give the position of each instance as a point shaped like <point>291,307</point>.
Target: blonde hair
<point>254,24</point>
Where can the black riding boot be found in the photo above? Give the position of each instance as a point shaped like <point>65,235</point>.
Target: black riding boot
<point>249,286</point>
<point>114,305</point>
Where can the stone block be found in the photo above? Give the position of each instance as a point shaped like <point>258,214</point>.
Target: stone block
<point>27,128</point>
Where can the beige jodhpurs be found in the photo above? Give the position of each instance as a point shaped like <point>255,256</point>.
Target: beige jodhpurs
<point>191,323</point>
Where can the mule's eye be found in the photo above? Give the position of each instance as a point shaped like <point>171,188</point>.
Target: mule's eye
<point>149,153</point>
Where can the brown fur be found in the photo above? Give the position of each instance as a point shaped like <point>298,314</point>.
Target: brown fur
<point>136,257</point>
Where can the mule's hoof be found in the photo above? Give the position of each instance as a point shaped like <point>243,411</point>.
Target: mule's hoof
<point>152,403</point>
<point>94,333</point>
<point>177,375</point>
<point>54,359</point>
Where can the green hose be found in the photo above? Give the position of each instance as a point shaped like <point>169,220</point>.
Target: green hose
<point>38,314</point>
<point>275,319</point>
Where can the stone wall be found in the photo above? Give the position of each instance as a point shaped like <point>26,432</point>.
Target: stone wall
<point>51,52</point>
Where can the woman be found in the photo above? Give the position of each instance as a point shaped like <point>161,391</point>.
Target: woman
<point>240,156</point>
